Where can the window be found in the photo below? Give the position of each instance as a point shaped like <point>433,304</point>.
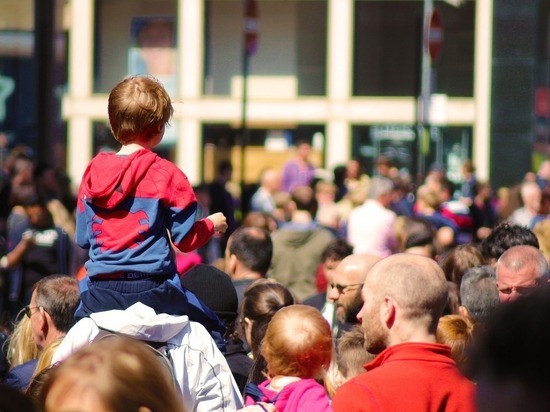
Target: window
<point>387,47</point>
<point>135,37</point>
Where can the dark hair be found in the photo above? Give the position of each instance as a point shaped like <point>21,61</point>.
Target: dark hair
<point>262,220</point>
<point>514,348</point>
<point>478,292</point>
<point>453,299</point>
<point>503,237</point>
<point>458,260</point>
<point>304,198</point>
<point>34,200</point>
<point>59,296</point>
<point>225,166</point>
<point>261,301</point>
<point>417,231</point>
<point>447,185</point>
<point>253,248</point>
<point>337,249</point>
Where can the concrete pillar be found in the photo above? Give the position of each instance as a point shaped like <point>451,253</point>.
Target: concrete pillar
<point>190,72</point>
<point>339,81</point>
<point>483,59</point>
<point>79,131</point>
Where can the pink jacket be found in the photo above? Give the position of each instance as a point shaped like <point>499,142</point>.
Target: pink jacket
<point>305,395</point>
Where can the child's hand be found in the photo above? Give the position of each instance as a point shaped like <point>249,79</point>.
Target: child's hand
<point>220,222</point>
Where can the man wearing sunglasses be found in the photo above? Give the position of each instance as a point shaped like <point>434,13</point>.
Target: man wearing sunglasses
<point>404,296</point>
<point>520,270</point>
<point>345,288</point>
<point>51,312</point>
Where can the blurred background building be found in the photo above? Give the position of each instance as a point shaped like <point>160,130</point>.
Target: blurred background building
<point>344,74</point>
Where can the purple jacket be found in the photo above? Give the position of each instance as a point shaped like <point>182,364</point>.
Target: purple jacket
<point>305,395</point>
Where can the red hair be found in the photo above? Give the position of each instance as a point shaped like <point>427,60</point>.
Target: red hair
<point>298,342</point>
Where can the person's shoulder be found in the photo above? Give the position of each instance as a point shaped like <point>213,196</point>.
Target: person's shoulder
<point>19,376</point>
<point>317,301</point>
<point>195,335</point>
<point>161,163</point>
<point>163,170</point>
<point>324,233</point>
<point>355,394</point>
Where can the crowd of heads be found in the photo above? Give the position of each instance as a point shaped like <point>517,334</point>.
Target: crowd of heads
<point>322,280</point>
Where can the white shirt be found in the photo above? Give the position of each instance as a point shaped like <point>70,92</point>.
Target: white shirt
<point>370,229</point>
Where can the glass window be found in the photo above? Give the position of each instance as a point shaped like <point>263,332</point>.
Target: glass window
<point>135,37</point>
<point>103,139</point>
<point>291,50</point>
<point>266,148</point>
<point>448,146</point>
<point>18,79</point>
<point>387,49</point>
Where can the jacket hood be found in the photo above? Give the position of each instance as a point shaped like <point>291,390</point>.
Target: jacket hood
<point>141,322</point>
<point>296,235</point>
<point>109,178</point>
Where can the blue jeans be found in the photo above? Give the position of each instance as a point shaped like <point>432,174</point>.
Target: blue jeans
<point>164,294</point>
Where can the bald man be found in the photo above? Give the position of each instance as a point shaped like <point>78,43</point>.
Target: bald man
<point>345,288</point>
<point>404,296</point>
<point>531,196</point>
<point>519,271</point>
<point>270,183</point>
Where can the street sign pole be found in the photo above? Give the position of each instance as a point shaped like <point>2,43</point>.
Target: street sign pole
<point>250,45</point>
<point>425,91</point>
<point>432,42</point>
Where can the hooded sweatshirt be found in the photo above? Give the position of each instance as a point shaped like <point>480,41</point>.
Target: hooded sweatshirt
<point>128,209</point>
<point>297,250</point>
<point>304,395</point>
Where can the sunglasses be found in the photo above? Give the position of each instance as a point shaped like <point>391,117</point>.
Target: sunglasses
<point>343,288</point>
<point>27,310</point>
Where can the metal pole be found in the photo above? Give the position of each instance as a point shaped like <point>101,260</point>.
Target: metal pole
<point>425,89</point>
<point>245,132</point>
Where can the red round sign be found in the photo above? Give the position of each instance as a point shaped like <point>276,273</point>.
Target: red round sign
<point>435,35</point>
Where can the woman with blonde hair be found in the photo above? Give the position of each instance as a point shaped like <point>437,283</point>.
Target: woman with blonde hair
<point>21,346</point>
<point>114,374</point>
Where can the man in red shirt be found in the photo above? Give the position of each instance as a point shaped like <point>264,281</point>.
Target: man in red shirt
<point>404,296</point>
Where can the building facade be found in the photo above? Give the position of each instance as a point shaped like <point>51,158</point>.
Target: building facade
<point>344,74</point>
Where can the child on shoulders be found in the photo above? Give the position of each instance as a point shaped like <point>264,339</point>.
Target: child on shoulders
<point>132,207</point>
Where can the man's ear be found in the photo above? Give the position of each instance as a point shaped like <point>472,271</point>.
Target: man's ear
<point>45,320</point>
<point>388,312</point>
<point>231,264</point>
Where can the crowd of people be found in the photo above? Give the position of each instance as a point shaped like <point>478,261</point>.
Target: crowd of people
<point>333,291</point>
